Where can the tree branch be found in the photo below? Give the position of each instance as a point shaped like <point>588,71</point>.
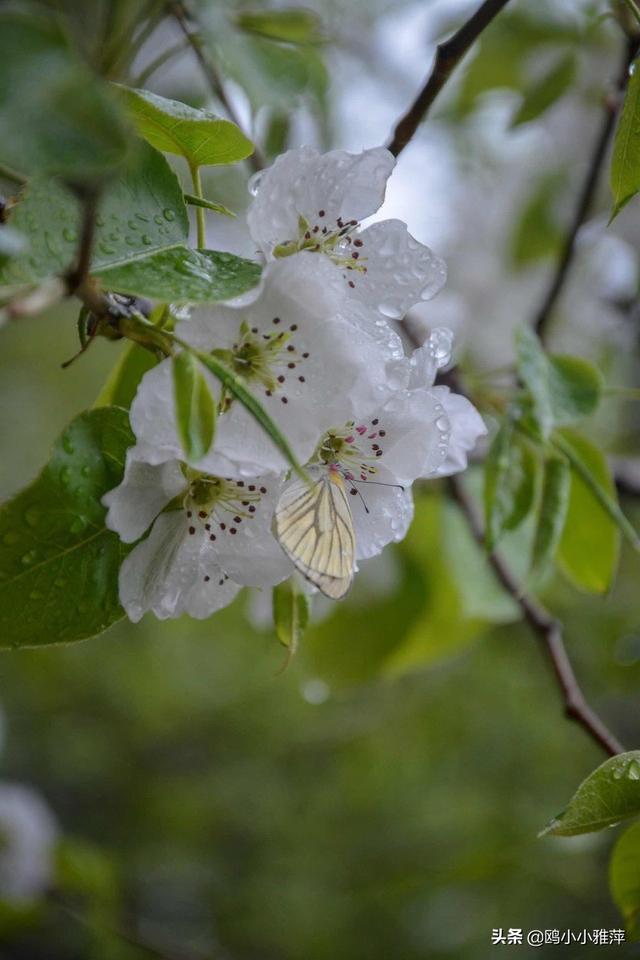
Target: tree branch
<point>586,195</point>
<point>182,14</point>
<point>547,630</point>
<point>448,56</point>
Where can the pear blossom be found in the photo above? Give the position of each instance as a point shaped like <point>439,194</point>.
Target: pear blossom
<point>209,536</point>
<point>420,432</point>
<point>306,352</point>
<point>311,203</point>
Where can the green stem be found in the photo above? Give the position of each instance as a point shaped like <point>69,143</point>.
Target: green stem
<point>197,189</point>
<point>623,393</point>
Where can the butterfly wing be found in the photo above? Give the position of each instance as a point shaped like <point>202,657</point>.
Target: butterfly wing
<point>314,527</point>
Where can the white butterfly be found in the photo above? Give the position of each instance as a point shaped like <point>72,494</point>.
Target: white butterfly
<point>314,527</point>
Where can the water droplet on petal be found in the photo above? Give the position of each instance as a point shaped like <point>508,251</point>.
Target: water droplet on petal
<point>254,183</point>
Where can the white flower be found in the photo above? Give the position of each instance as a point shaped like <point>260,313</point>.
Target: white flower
<point>28,832</point>
<point>315,202</point>
<point>305,351</point>
<point>420,432</point>
<point>214,537</point>
<point>465,425</point>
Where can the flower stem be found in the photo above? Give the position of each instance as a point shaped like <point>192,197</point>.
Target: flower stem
<point>197,189</point>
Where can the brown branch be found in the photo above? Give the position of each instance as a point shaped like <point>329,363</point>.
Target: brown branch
<point>586,195</point>
<point>182,14</point>
<point>547,630</point>
<point>448,56</point>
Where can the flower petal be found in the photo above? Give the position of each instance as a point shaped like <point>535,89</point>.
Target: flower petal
<point>166,573</point>
<point>253,556</point>
<point>466,426</point>
<point>382,513</point>
<point>322,188</point>
<point>144,491</point>
<point>432,356</point>
<point>400,270</point>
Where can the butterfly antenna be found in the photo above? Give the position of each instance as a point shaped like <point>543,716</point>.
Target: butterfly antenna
<point>379,483</point>
<point>364,502</point>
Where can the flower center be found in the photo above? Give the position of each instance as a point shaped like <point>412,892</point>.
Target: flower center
<point>219,504</point>
<point>341,243</point>
<point>353,449</point>
<point>268,358</point>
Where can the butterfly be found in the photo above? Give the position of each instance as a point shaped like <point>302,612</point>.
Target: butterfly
<point>314,526</point>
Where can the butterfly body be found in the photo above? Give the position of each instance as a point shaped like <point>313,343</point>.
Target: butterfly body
<point>314,526</point>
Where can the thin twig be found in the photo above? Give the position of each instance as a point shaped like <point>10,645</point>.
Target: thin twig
<point>586,195</point>
<point>8,173</point>
<point>547,630</point>
<point>182,14</point>
<point>448,56</point>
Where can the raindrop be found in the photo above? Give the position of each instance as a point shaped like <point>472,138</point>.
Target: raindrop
<point>390,310</point>
<point>69,235</point>
<point>168,213</point>
<point>146,239</point>
<point>254,184</point>
<point>32,516</point>
<point>67,444</point>
<point>36,595</point>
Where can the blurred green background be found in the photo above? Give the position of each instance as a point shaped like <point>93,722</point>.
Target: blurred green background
<point>380,797</point>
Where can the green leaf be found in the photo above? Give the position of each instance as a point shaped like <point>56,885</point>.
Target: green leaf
<point>625,169</point>
<point>562,389</point>
<point>58,563</point>
<point>122,383</point>
<point>510,482</point>
<point>237,386</point>
<point>291,25</point>
<point>552,514</point>
<point>536,232</point>
<point>183,275</point>
<point>608,795</point>
<point>141,213</point>
<point>533,369</point>
<point>546,91</point>
<point>55,114</point>
<point>208,205</point>
<point>590,543</point>
<point>624,879</point>
<point>290,614</point>
<point>195,407</point>
<point>199,136</point>
<point>575,386</point>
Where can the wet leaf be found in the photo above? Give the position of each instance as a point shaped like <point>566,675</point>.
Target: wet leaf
<point>199,136</point>
<point>625,170</point>
<point>610,794</point>
<point>58,562</point>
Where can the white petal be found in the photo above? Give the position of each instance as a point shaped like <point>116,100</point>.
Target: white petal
<point>390,511</point>
<point>432,356</point>
<point>165,573</point>
<point>304,182</point>
<point>400,271</point>
<point>253,556</point>
<point>467,426</point>
<point>416,431</point>
<point>144,491</point>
